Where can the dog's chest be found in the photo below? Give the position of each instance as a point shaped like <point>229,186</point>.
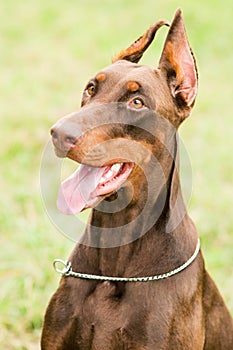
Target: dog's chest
<point>109,321</point>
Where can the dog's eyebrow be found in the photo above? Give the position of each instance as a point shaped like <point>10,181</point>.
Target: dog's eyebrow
<point>100,77</point>
<point>132,86</point>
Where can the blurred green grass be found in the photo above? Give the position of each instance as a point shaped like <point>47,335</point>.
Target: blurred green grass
<point>49,49</point>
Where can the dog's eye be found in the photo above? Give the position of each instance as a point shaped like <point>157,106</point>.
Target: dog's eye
<point>90,90</point>
<point>136,103</point>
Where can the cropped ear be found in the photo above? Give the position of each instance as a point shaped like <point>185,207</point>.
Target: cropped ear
<point>135,51</point>
<point>178,64</point>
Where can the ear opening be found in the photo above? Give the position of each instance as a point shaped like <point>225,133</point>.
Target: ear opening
<point>135,51</point>
<point>178,64</point>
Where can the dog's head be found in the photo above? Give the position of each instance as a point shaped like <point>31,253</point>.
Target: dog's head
<point>129,115</point>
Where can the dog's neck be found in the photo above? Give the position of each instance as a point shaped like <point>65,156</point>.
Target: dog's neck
<point>154,202</point>
<point>123,240</point>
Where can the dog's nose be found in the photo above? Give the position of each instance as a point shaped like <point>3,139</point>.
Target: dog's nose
<point>61,139</point>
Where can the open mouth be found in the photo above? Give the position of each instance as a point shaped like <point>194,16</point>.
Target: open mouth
<point>113,177</point>
<point>86,187</point>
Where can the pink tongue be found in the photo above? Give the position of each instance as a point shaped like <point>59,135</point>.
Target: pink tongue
<point>77,191</point>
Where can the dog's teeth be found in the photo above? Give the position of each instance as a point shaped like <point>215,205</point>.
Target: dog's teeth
<point>102,180</point>
<point>108,174</point>
<point>116,167</point>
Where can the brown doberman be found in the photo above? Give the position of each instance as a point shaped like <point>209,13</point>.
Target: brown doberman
<point>137,279</point>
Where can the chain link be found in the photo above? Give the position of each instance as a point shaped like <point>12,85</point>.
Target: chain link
<point>67,271</point>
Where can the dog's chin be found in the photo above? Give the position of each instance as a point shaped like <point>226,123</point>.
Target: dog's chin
<point>111,197</point>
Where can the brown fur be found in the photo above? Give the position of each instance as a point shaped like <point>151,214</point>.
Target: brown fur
<point>185,311</point>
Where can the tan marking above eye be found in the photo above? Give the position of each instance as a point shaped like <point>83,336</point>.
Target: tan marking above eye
<point>132,86</point>
<point>101,77</point>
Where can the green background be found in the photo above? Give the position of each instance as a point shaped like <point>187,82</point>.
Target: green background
<point>48,51</point>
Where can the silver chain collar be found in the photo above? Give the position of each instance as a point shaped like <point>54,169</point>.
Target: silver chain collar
<point>67,271</point>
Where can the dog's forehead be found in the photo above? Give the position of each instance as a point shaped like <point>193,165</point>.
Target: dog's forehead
<point>126,71</point>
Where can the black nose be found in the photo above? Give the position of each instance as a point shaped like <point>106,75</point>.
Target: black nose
<point>61,139</point>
